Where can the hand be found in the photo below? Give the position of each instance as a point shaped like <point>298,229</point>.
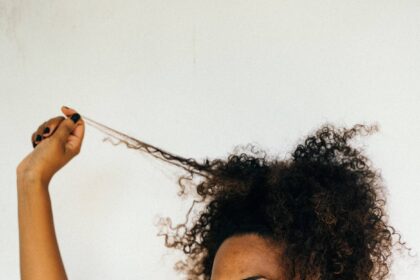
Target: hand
<point>59,140</point>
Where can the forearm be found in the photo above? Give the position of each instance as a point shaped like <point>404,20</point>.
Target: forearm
<point>39,253</point>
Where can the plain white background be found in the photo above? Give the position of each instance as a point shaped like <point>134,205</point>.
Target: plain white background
<point>197,78</point>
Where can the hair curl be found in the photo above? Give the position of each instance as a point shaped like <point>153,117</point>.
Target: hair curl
<point>326,205</point>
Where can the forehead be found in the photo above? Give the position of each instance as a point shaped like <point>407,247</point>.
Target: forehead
<point>244,256</point>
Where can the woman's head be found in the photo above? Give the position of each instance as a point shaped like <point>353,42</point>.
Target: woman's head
<point>319,214</point>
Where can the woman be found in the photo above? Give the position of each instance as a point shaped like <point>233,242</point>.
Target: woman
<point>318,215</point>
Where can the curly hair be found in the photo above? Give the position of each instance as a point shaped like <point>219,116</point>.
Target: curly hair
<point>325,204</point>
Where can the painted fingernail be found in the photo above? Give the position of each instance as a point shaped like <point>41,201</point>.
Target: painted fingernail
<point>46,130</point>
<point>38,138</point>
<point>75,117</point>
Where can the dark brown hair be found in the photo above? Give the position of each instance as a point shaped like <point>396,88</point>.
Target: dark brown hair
<point>325,204</point>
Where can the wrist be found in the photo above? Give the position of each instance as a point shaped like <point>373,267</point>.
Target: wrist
<point>30,181</point>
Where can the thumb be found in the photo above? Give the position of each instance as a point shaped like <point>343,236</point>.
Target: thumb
<point>64,131</point>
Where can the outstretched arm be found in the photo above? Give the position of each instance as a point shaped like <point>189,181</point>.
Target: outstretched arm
<point>39,253</point>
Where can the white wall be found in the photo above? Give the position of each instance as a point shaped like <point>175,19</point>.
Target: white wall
<point>197,78</point>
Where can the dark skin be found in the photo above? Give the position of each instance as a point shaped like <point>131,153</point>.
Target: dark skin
<point>39,253</point>
<point>45,130</point>
<point>244,257</point>
<point>247,257</point>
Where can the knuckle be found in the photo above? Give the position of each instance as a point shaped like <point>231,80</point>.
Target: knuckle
<point>53,121</point>
<point>59,119</point>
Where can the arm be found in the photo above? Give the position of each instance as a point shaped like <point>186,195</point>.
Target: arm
<point>39,254</point>
<point>38,249</point>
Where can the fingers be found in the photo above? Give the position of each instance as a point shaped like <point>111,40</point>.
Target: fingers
<point>37,136</point>
<point>63,130</point>
<point>45,130</point>
<point>34,139</point>
<point>49,128</point>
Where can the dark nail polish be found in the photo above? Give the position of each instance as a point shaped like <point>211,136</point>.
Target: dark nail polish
<point>38,138</point>
<point>75,117</point>
<point>46,130</point>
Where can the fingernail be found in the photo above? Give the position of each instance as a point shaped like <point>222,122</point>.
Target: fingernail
<point>66,107</point>
<point>46,130</point>
<point>38,138</point>
<point>75,117</point>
